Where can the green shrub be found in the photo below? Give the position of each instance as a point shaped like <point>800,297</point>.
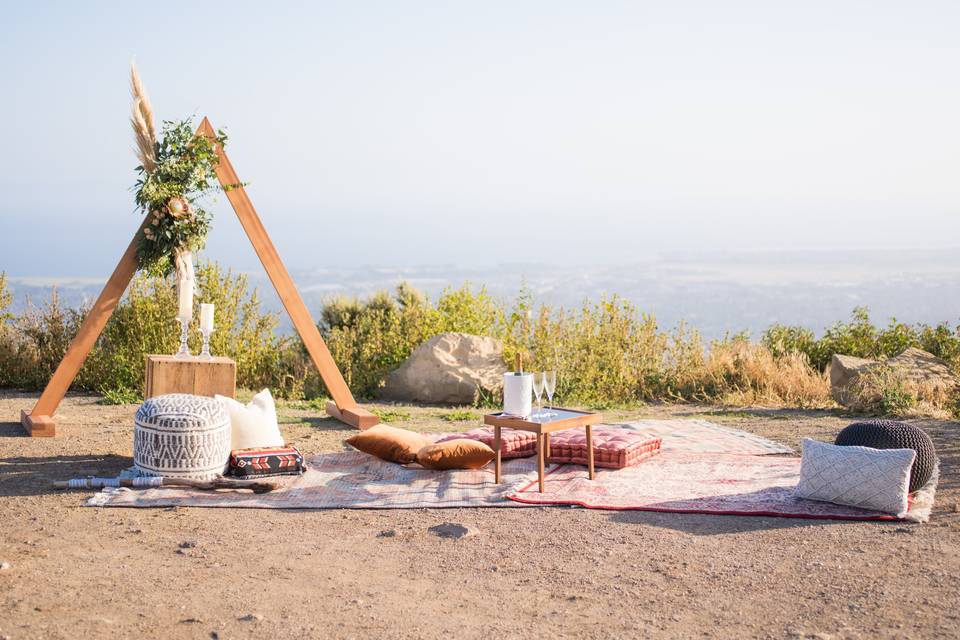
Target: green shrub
<point>121,395</point>
<point>781,340</point>
<point>369,339</point>
<point>607,353</point>
<point>861,338</point>
<point>36,341</point>
<point>32,345</point>
<point>144,323</point>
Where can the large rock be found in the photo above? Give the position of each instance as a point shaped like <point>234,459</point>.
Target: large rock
<point>451,368</point>
<point>923,367</point>
<point>844,371</point>
<point>916,364</point>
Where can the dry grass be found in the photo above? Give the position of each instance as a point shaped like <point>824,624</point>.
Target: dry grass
<point>142,121</point>
<point>739,372</point>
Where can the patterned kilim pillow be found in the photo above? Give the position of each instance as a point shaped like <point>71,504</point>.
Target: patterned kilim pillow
<point>513,443</point>
<point>612,448</point>
<point>266,461</point>
<point>181,436</point>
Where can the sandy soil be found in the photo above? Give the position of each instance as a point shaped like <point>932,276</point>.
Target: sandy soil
<point>546,572</point>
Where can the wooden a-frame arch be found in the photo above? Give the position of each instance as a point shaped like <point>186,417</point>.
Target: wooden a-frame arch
<point>39,421</point>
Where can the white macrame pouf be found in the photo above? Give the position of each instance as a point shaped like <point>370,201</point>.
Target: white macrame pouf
<point>181,436</point>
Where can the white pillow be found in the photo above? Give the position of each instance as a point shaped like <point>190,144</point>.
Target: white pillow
<point>253,425</point>
<point>876,479</point>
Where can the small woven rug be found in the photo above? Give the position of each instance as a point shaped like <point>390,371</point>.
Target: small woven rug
<point>347,480</point>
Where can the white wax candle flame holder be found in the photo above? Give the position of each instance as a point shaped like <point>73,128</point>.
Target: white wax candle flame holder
<point>185,287</point>
<point>184,352</point>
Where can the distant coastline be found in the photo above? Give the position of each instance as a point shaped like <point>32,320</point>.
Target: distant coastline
<point>715,292</point>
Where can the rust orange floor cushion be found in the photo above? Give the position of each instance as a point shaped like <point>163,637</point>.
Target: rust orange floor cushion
<point>513,443</point>
<point>612,448</point>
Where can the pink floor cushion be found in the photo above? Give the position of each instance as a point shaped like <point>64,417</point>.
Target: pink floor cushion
<point>513,443</point>
<point>612,448</point>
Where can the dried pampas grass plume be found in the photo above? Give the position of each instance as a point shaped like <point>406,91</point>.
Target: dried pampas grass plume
<point>141,119</point>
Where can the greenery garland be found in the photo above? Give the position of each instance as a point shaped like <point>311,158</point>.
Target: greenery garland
<point>170,191</point>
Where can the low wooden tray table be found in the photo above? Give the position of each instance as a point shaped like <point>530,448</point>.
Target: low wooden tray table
<point>543,425</point>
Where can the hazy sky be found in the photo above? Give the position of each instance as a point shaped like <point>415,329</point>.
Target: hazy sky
<point>454,132</point>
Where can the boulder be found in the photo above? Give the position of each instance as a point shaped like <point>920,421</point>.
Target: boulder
<point>916,364</point>
<point>843,373</point>
<point>451,368</point>
<point>924,367</point>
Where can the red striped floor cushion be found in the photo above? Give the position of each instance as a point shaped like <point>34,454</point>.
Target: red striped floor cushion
<point>612,448</point>
<point>513,443</point>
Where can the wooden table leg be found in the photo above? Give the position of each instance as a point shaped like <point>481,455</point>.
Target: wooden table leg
<point>540,452</point>
<point>546,443</point>
<point>497,445</point>
<point>590,449</point>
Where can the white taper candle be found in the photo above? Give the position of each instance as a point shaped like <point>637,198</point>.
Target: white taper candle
<point>185,293</point>
<point>206,317</point>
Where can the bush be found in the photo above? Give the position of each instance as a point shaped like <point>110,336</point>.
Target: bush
<point>861,338</point>
<point>144,323</point>
<point>32,345</point>
<point>607,353</point>
<point>369,339</point>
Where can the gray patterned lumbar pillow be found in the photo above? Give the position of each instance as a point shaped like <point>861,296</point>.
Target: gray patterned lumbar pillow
<point>876,479</point>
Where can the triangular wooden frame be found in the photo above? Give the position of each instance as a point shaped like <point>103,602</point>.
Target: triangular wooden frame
<point>39,421</point>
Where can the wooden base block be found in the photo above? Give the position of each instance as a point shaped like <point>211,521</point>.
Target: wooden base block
<point>355,417</point>
<point>167,374</point>
<point>38,426</point>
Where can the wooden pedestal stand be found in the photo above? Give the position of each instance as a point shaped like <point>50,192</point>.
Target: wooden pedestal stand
<point>39,421</point>
<point>196,376</point>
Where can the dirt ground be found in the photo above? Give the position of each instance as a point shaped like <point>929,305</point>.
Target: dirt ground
<point>81,572</point>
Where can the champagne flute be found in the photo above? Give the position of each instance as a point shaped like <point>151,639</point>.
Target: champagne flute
<point>550,386</point>
<point>538,385</point>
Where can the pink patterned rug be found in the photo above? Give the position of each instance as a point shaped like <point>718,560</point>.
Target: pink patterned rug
<point>700,436</point>
<point>716,483</point>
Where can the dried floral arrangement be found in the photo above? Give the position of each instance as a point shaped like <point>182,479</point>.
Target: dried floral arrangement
<point>176,174</point>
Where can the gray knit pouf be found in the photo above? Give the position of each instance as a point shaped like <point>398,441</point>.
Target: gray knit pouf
<point>890,434</point>
<point>181,436</point>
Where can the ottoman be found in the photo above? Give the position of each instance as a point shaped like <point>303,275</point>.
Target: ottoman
<point>181,436</point>
<point>890,434</point>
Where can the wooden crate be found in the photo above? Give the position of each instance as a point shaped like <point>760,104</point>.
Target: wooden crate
<point>166,374</point>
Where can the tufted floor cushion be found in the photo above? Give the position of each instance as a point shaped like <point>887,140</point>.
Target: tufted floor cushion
<point>513,443</point>
<point>181,436</point>
<point>612,448</point>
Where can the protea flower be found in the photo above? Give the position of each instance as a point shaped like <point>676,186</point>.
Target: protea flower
<point>178,207</point>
